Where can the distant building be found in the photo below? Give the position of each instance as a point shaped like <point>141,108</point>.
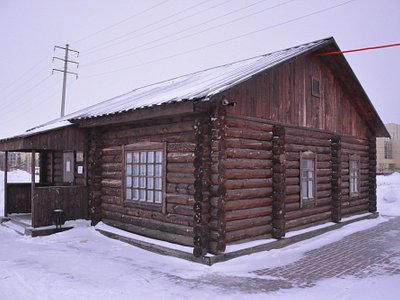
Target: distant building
<point>388,150</point>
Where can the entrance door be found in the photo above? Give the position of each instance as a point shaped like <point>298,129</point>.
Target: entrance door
<point>69,167</point>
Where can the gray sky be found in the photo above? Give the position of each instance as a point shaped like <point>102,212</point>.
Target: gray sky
<point>127,44</point>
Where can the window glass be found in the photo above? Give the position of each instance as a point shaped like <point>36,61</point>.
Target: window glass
<point>307,176</point>
<point>143,176</point>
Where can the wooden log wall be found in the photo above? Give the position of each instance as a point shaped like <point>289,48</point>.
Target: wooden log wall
<point>297,141</point>
<point>244,183</point>
<point>278,182</point>
<point>217,225</point>
<point>360,202</point>
<point>283,94</point>
<point>94,174</point>
<point>183,179</point>
<point>372,175</point>
<point>202,174</point>
<point>336,179</point>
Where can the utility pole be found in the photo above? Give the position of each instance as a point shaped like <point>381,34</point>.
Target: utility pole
<point>65,71</point>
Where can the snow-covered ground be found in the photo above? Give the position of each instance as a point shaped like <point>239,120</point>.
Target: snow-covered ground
<point>83,264</point>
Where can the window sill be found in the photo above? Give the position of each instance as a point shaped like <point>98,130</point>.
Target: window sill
<point>143,205</point>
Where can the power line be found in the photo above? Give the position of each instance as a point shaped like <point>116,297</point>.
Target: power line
<point>359,49</point>
<point>120,22</point>
<point>130,52</point>
<point>96,47</point>
<point>224,41</point>
<point>23,96</point>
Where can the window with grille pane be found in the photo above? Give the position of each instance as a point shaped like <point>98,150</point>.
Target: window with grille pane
<point>354,170</point>
<point>144,176</point>
<point>307,178</point>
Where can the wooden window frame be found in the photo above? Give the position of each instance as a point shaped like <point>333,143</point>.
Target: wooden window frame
<point>308,155</point>
<point>354,175</point>
<point>146,147</point>
<point>315,92</point>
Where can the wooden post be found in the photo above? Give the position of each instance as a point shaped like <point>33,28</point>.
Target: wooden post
<point>336,179</point>
<point>5,182</point>
<point>218,231</point>
<point>201,163</point>
<point>372,175</point>
<point>33,187</point>
<point>278,182</point>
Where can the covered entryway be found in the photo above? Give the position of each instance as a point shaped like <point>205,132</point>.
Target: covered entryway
<point>57,177</point>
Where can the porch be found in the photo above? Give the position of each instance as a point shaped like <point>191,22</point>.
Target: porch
<point>55,179</point>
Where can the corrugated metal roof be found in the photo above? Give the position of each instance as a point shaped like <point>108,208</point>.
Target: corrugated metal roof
<point>198,85</point>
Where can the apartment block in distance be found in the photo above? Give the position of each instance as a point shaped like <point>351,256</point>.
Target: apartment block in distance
<point>388,150</point>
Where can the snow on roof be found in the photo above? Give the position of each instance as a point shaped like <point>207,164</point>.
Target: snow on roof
<point>199,85</point>
<point>194,86</point>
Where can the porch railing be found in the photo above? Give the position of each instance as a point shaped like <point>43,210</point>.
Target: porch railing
<point>72,199</point>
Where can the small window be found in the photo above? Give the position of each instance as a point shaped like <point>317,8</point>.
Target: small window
<point>144,173</point>
<point>354,170</point>
<point>315,87</point>
<point>307,178</point>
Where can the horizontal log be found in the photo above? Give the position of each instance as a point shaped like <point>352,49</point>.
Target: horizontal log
<point>246,203</point>
<point>249,124</point>
<point>248,173</point>
<point>312,141</point>
<point>111,158</point>
<point>111,167</point>
<point>292,181</point>
<point>250,233</point>
<point>180,188</point>
<point>186,240</point>
<point>113,183</point>
<point>305,212</point>
<point>243,133</point>
<point>180,157</point>
<point>294,198</point>
<point>247,163</point>
<point>178,178</point>
<point>180,199</point>
<point>308,221</point>
<point>308,133</point>
<point>247,223</point>
<point>355,209</point>
<point>248,193</point>
<point>186,210</point>
<point>292,206</point>
<point>248,183</point>
<point>186,168</point>
<point>292,189</point>
<point>117,200</point>
<point>247,213</point>
<point>181,147</point>
<point>247,144</point>
<point>248,153</point>
<point>302,148</point>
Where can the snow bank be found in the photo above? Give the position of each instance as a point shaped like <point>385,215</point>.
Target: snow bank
<point>388,194</point>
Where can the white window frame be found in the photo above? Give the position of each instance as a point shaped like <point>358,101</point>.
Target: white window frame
<point>144,175</point>
<point>354,175</point>
<point>308,175</point>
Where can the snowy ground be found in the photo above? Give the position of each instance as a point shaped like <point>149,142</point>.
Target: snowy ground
<point>83,264</point>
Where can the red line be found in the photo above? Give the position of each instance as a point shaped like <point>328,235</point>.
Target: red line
<point>357,50</point>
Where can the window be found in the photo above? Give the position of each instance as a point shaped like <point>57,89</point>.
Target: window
<point>388,149</point>
<point>354,170</point>
<point>315,89</point>
<point>307,178</point>
<point>144,169</point>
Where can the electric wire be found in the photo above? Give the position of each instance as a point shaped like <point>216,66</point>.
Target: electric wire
<point>131,51</point>
<point>120,22</point>
<point>222,41</point>
<point>96,48</point>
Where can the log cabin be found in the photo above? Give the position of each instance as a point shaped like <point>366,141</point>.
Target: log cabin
<point>243,151</point>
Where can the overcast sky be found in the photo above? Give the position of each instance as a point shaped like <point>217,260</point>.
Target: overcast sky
<point>127,44</point>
